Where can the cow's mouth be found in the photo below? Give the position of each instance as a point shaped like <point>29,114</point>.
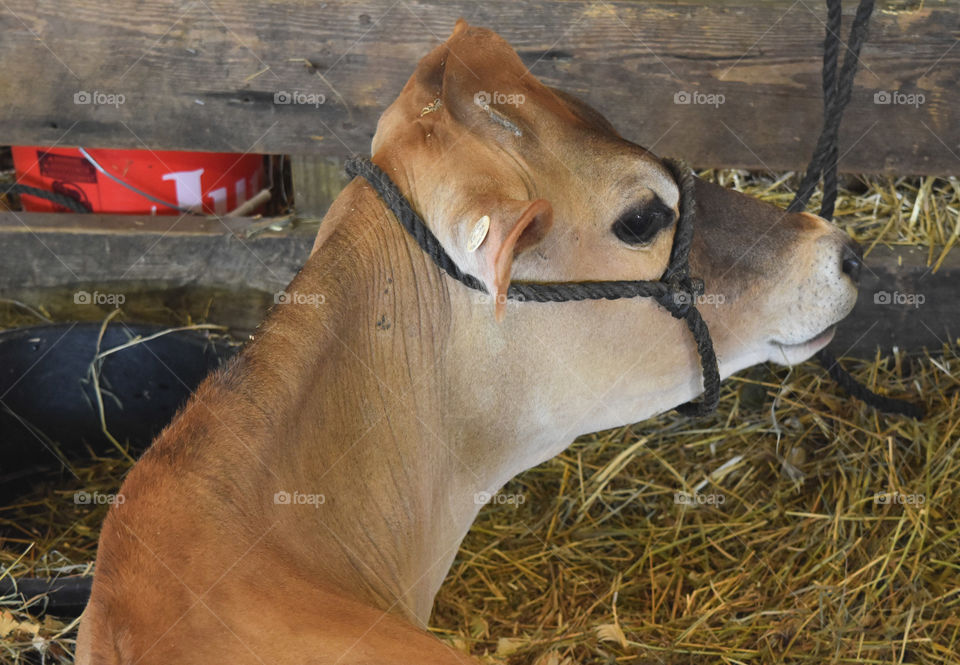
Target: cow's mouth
<point>796,353</point>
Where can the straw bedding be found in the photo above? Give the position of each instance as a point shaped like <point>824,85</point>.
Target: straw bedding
<point>794,525</point>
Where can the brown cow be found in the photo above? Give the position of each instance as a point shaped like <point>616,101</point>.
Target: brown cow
<point>306,504</point>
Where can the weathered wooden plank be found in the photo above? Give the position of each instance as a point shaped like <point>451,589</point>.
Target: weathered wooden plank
<point>44,250</point>
<point>902,302</point>
<point>317,181</point>
<point>166,225</point>
<point>205,75</point>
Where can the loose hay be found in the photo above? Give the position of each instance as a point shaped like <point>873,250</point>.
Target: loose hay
<point>792,525</point>
<point>808,557</point>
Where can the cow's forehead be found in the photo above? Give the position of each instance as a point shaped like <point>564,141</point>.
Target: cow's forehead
<point>487,84</point>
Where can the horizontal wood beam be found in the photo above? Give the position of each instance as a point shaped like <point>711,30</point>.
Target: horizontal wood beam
<point>57,249</point>
<point>902,302</point>
<point>212,75</point>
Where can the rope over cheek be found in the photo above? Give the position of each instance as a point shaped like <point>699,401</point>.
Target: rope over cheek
<point>675,291</point>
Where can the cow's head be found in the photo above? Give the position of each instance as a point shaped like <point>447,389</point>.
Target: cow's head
<point>475,137</point>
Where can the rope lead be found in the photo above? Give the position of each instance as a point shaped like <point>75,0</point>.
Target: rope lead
<point>836,96</point>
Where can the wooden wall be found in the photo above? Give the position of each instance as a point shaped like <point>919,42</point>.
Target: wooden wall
<point>204,75</point>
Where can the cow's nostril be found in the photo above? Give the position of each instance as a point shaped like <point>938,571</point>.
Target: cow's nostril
<point>852,260</point>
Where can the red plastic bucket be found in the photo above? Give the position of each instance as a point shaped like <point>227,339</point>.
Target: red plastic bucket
<point>218,181</point>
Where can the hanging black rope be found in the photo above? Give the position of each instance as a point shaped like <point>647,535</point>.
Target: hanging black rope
<point>62,200</point>
<point>824,162</point>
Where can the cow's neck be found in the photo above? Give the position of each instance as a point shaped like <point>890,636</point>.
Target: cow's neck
<point>400,400</point>
<point>371,415</point>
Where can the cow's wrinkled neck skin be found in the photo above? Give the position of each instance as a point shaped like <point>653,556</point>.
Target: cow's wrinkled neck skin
<point>370,415</point>
<point>362,420</point>
<point>394,409</point>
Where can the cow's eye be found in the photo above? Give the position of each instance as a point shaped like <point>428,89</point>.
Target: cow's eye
<point>639,226</point>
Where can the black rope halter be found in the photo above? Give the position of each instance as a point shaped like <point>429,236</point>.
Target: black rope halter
<point>676,291</point>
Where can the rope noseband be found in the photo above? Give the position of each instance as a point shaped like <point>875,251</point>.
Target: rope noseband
<point>675,291</point>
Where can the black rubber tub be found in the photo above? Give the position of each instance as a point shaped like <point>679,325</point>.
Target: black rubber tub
<point>48,403</point>
<point>49,412</point>
<point>62,597</point>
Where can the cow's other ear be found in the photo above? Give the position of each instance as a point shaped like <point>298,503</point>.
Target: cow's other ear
<point>493,240</point>
<point>430,69</point>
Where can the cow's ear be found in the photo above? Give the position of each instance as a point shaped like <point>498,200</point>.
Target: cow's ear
<point>494,239</point>
<point>430,69</point>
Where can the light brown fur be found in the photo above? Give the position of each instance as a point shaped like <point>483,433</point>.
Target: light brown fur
<point>401,397</point>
